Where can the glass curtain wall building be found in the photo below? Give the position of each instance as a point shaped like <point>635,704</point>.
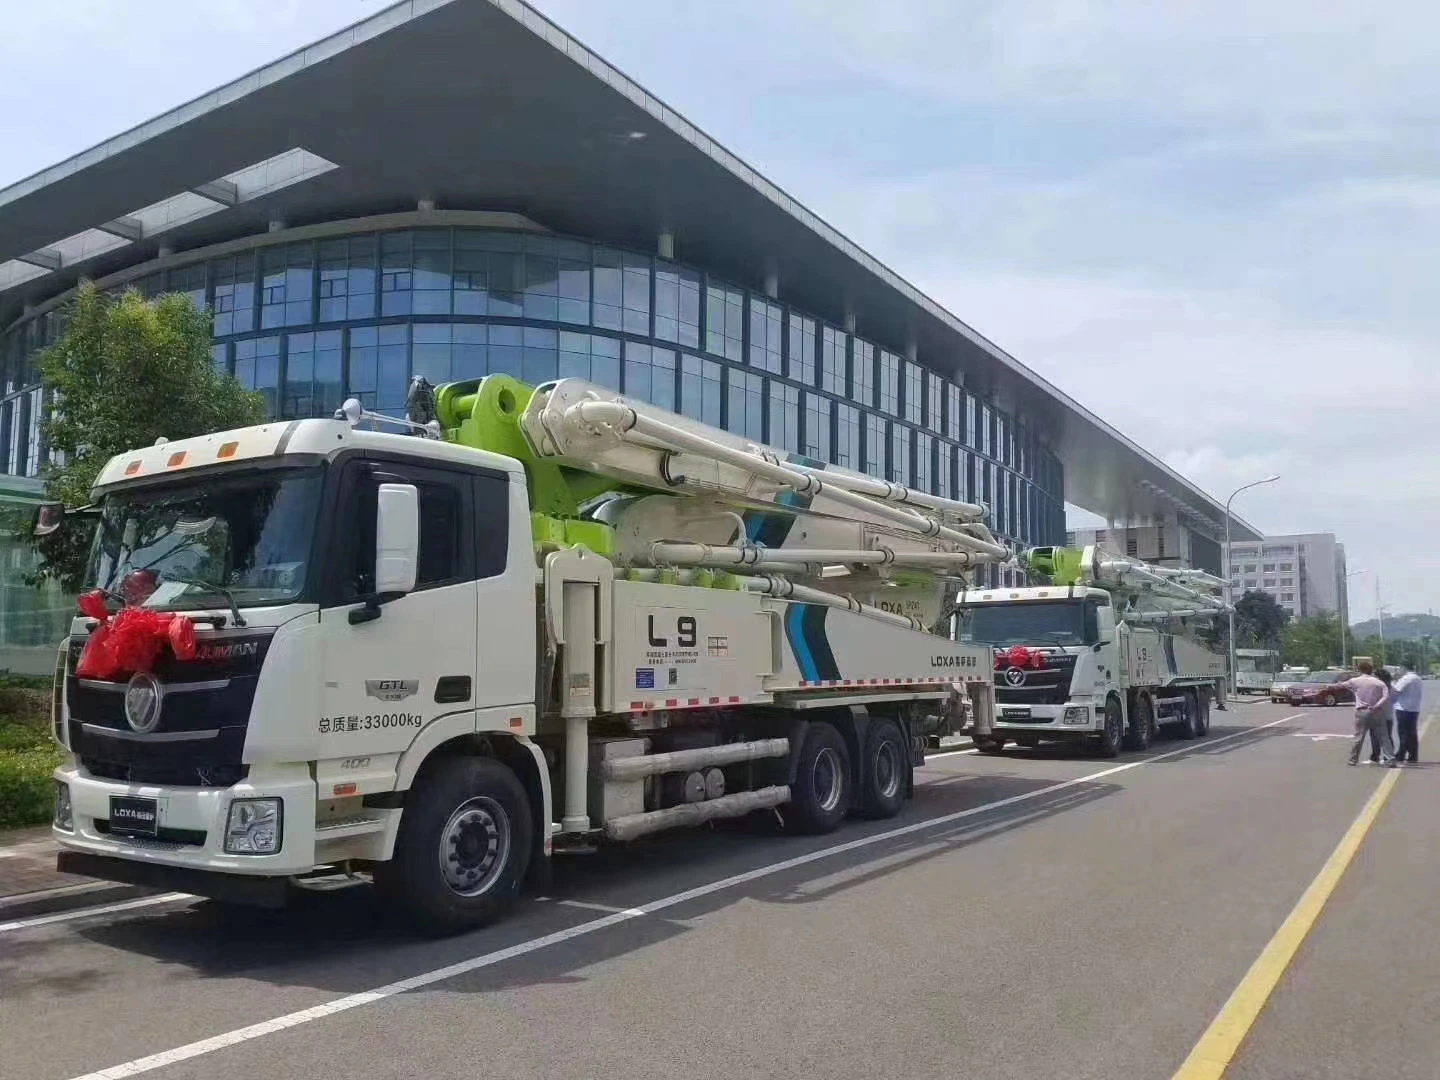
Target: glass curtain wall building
<point>358,312</point>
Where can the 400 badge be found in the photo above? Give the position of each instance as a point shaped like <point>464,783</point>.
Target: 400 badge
<point>330,725</point>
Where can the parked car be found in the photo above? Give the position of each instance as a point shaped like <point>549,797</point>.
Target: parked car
<point>1322,688</point>
<point>1280,688</point>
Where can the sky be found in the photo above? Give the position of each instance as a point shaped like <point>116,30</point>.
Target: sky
<point>1215,225</point>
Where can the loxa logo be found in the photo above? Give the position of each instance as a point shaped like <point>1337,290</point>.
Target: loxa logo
<point>953,661</point>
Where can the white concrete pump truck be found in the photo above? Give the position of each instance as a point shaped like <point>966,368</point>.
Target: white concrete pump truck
<point>536,620</point>
<point>1103,655</point>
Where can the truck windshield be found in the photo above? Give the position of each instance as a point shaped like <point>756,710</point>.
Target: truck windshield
<point>1029,622</point>
<point>199,544</point>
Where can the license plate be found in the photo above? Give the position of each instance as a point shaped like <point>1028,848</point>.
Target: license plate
<point>133,817</point>
<point>1015,714</point>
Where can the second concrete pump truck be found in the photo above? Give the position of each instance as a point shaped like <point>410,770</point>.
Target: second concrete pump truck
<point>1104,655</point>
<point>557,617</point>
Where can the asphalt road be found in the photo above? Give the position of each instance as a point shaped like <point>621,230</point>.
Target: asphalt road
<point>1030,916</point>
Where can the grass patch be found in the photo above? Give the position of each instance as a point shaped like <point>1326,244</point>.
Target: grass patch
<point>27,757</point>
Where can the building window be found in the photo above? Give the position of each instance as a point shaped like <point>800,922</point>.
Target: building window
<point>1287,597</point>
<point>1249,584</point>
<point>934,403</point>
<point>430,272</point>
<point>590,356</point>
<point>817,426</point>
<point>396,273</point>
<point>1287,582</point>
<point>925,462</point>
<point>889,383</point>
<point>1285,566</point>
<point>257,367</point>
<point>379,365</point>
<point>987,431</point>
<point>725,322</point>
<point>847,436</point>
<point>784,417</point>
<point>1269,568</point>
<point>1132,547</point>
<point>1250,568</point>
<point>944,469</point>
<point>766,341</point>
<point>801,344</point>
<point>899,472</point>
<point>234,295</point>
<point>972,430</point>
<point>188,281</point>
<point>914,381</point>
<point>622,292</point>
<point>832,361</point>
<point>312,374</point>
<point>1269,582</point>
<point>677,305</point>
<point>874,445</point>
<point>862,373</point>
<point>219,357</point>
<point>650,374</point>
<point>746,400</point>
<point>701,389</point>
<point>347,279</point>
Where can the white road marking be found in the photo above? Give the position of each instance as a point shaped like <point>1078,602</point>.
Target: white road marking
<point>90,912</point>
<point>948,753</point>
<point>1318,736</point>
<point>464,967</point>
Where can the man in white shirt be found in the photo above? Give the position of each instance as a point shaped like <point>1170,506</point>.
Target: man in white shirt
<point>1371,695</point>
<point>1407,714</point>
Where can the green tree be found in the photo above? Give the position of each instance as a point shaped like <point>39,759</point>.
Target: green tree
<point>125,372</point>
<point>1312,642</point>
<point>1259,621</point>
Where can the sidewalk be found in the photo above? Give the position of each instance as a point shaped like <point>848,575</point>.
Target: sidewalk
<point>30,885</point>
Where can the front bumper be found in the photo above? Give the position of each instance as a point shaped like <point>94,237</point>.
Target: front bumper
<point>190,826</point>
<point>1071,718</point>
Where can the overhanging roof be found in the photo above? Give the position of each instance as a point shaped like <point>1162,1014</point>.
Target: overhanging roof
<point>485,104</point>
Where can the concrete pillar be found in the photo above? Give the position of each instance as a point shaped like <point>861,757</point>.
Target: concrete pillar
<point>425,205</point>
<point>165,251</point>
<point>276,225</point>
<point>848,319</point>
<point>912,351</point>
<point>665,244</point>
<point>772,279</point>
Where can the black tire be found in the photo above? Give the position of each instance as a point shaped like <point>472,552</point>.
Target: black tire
<point>1030,742</point>
<point>1328,700</point>
<point>1113,737</point>
<point>1189,727</point>
<point>884,771</point>
<point>1202,699</point>
<point>1141,731</point>
<point>821,794</point>
<point>990,744</point>
<point>463,847</point>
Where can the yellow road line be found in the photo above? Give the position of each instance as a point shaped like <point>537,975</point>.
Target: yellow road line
<point>1213,1053</point>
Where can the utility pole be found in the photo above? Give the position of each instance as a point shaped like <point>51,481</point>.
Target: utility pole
<point>1229,585</point>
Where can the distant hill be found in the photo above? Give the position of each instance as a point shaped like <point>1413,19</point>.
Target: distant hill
<point>1401,627</point>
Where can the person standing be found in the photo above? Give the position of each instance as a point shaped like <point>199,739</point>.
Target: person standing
<point>1370,696</point>
<point>1408,689</point>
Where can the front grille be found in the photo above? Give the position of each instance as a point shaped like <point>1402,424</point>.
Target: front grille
<point>1049,685</point>
<point>189,837</point>
<point>1033,695</point>
<point>169,775</point>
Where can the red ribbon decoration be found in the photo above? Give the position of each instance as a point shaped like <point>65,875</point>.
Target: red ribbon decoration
<point>131,639</point>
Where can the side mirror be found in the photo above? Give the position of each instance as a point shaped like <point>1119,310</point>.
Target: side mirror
<point>49,516</point>
<point>1098,646</point>
<point>397,539</point>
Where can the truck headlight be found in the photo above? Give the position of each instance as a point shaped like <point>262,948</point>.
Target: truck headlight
<point>1076,714</point>
<point>254,827</point>
<point>64,817</point>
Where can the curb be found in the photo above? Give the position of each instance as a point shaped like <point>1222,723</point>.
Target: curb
<point>67,898</point>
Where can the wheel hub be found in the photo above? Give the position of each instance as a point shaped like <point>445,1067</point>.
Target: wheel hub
<point>825,779</point>
<point>474,846</point>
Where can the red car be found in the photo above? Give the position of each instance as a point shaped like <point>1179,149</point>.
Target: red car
<point>1321,688</point>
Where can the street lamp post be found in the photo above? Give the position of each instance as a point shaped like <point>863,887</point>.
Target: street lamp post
<point>1229,562</point>
<point>1344,615</point>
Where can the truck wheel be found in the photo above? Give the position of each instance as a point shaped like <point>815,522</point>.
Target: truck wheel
<point>820,795</point>
<point>1030,742</point>
<point>990,744</point>
<point>1113,737</point>
<point>1202,718</point>
<point>463,846</point>
<point>1142,724</point>
<point>1190,726</point>
<point>885,770</point>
